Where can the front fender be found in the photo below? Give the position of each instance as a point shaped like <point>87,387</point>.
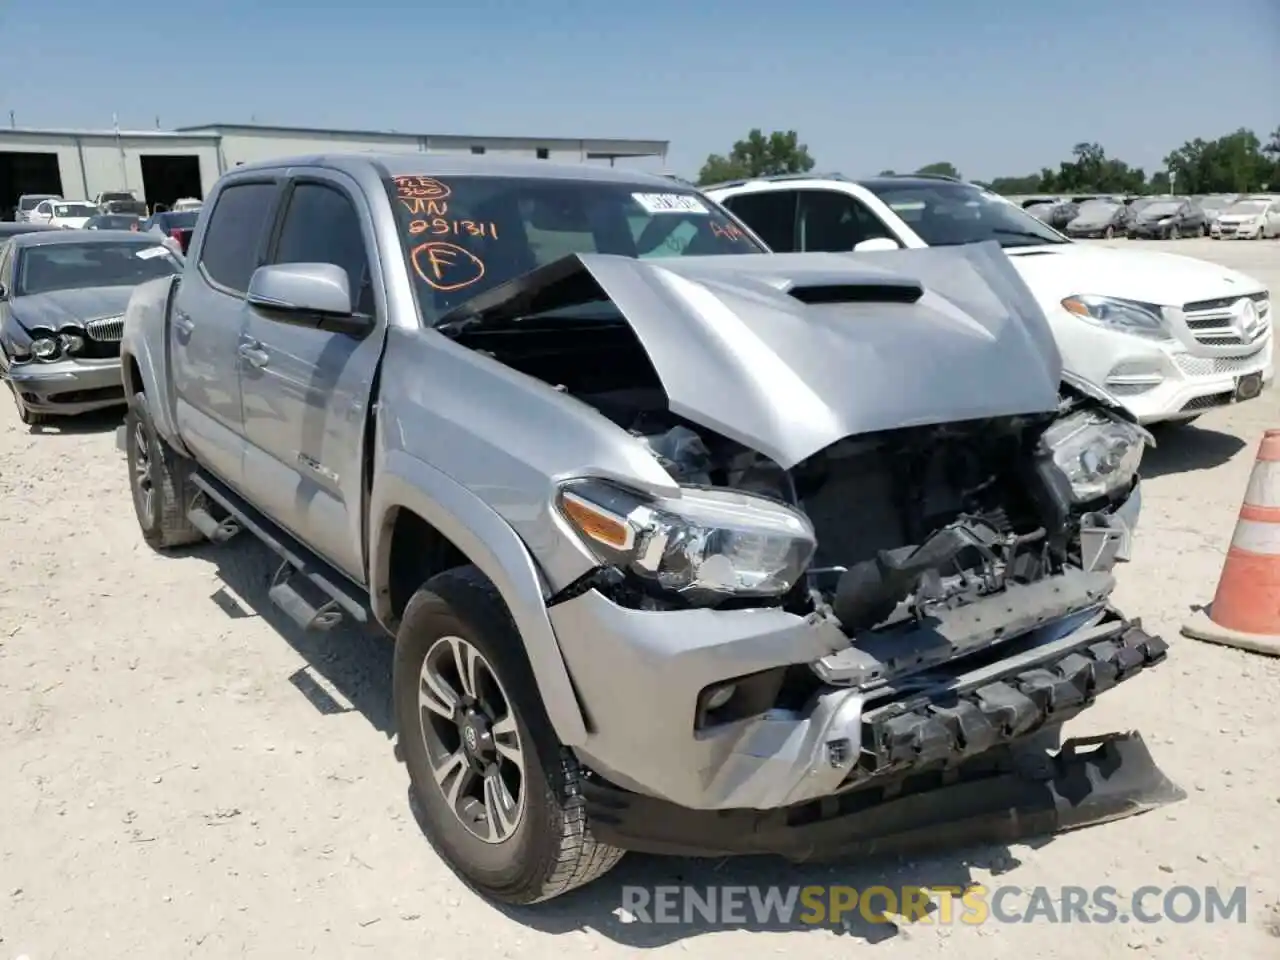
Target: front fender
<point>488,541</point>
<point>144,354</point>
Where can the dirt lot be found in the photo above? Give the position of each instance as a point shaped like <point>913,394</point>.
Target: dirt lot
<point>183,775</point>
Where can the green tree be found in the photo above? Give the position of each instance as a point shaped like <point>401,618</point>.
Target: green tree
<point>888,173</point>
<point>941,169</point>
<point>1235,163</point>
<point>758,156</point>
<point>1009,186</point>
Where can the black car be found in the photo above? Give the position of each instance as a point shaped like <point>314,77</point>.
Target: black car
<point>1099,218</point>
<point>1169,219</point>
<point>8,230</point>
<point>113,221</point>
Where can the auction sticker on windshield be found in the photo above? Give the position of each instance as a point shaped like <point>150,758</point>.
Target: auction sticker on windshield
<point>669,203</point>
<point>148,253</point>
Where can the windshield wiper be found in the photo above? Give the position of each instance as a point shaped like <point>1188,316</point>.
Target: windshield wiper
<point>455,325</point>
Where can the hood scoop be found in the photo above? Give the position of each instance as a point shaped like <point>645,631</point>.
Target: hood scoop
<point>1032,253</point>
<point>892,291</point>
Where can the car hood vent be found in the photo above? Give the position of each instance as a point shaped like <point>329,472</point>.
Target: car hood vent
<point>857,293</point>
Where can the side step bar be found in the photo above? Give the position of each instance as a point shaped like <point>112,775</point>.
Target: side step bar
<point>298,565</point>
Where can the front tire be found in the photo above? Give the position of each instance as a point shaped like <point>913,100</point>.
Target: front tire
<point>1109,233</point>
<point>24,414</point>
<point>498,792</point>
<point>1174,233</point>
<point>160,481</point>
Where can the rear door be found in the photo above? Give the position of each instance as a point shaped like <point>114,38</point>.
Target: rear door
<point>306,390</point>
<point>208,320</point>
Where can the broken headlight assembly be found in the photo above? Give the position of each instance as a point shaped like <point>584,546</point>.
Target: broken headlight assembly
<point>46,346</point>
<point>1090,455</point>
<point>707,545</point>
<point>1125,316</point>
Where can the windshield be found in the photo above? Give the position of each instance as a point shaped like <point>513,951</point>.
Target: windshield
<point>1097,210</point>
<point>1248,207</point>
<point>116,196</point>
<point>73,210</point>
<point>947,214</point>
<point>70,266</point>
<point>1163,208</point>
<point>468,234</point>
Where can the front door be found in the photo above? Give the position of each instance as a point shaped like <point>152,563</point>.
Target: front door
<point>206,324</point>
<point>306,391</point>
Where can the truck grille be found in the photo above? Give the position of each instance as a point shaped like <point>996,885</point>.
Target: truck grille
<point>106,330</point>
<point>1212,322</point>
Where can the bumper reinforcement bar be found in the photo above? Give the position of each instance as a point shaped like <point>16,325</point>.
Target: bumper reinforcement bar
<point>992,706</point>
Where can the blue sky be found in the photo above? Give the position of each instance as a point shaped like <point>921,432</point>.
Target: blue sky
<point>995,87</point>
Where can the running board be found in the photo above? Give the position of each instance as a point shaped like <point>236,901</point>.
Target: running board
<point>298,565</point>
<point>1089,781</point>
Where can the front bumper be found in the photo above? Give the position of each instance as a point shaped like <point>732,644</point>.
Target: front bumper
<point>857,714</point>
<point>1235,232</point>
<point>1153,231</point>
<point>68,387</point>
<point>1160,380</point>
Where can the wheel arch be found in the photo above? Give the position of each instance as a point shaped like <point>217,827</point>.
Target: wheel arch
<point>144,355</point>
<point>413,503</point>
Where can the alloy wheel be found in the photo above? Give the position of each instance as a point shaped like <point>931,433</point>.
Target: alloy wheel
<point>143,474</point>
<point>472,741</point>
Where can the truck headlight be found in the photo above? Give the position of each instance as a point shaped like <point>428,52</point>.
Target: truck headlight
<point>1126,316</point>
<point>707,545</point>
<point>1094,453</point>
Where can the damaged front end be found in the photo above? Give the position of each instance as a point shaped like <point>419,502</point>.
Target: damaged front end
<point>890,553</point>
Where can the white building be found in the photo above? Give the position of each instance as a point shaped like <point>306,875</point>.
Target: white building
<point>161,166</point>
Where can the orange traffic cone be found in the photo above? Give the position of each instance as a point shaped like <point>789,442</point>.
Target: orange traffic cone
<point>1246,609</point>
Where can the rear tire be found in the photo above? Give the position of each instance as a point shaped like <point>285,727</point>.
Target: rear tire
<point>544,846</point>
<point>160,481</point>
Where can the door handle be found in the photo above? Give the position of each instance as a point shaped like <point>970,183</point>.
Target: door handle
<point>183,323</point>
<point>253,352</point>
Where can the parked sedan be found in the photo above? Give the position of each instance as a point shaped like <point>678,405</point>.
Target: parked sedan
<point>62,299</point>
<point>1056,214</point>
<point>1099,218</point>
<point>1248,220</point>
<point>1168,219</point>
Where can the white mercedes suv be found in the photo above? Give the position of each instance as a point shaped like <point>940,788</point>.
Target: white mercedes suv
<point>1170,336</point>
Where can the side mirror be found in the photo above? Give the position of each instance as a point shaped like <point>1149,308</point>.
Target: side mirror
<point>307,295</point>
<point>4,293</point>
<point>876,245</point>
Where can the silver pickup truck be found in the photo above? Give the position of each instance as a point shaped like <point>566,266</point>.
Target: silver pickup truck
<point>686,546</point>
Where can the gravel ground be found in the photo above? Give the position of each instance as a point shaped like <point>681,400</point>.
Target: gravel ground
<point>184,775</point>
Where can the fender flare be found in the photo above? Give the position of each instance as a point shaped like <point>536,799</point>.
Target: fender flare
<point>489,542</point>
<point>145,343</point>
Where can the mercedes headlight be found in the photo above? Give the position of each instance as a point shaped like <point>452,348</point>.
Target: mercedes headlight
<point>707,545</point>
<point>1126,316</point>
<point>1094,453</point>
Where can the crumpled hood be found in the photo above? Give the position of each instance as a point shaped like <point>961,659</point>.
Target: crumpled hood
<point>739,350</point>
<point>62,308</point>
<point>1168,279</point>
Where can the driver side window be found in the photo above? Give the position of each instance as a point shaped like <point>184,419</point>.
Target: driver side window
<point>835,222</point>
